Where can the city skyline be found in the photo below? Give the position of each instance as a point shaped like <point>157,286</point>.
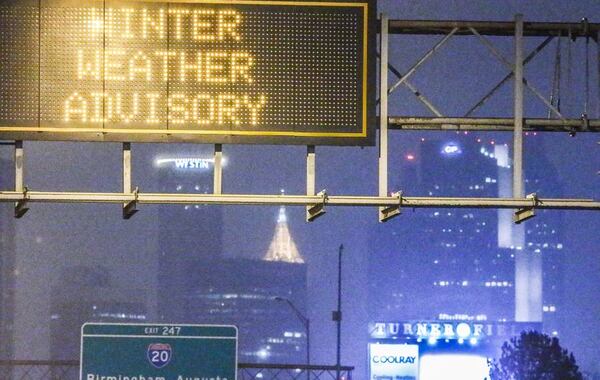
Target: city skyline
<point>467,260</point>
<point>52,236</point>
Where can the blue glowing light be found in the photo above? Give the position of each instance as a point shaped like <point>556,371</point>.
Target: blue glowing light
<point>454,367</point>
<point>451,149</point>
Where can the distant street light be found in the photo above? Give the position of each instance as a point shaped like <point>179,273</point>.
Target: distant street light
<point>305,322</point>
<point>337,316</point>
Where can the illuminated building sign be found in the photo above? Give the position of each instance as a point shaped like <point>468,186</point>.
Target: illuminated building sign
<point>215,71</point>
<point>393,361</point>
<point>448,329</point>
<point>185,163</point>
<point>451,149</point>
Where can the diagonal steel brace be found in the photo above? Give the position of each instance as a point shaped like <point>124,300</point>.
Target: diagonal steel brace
<point>423,59</point>
<point>416,92</point>
<point>508,76</point>
<point>511,67</point>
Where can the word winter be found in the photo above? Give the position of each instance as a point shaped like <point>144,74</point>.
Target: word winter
<point>198,24</point>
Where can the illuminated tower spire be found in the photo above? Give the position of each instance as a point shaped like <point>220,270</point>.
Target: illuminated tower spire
<point>282,246</point>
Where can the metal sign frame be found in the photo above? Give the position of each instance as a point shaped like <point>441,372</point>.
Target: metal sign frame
<point>389,203</point>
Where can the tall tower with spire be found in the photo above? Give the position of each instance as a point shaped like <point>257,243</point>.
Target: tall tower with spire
<point>282,247</point>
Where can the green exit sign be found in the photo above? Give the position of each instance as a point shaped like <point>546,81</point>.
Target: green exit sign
<point>158,352</point>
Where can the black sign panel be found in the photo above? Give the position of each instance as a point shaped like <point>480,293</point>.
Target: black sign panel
<point>214,71</point>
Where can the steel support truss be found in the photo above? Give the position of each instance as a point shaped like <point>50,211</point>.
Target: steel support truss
<point>518,124</point>
<point>389,203</point>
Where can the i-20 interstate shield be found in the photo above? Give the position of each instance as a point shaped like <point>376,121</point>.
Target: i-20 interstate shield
<point>159,354</point>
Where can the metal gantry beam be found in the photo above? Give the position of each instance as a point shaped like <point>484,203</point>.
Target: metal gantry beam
<point>494,28</point>
<point>300,200</point>
<point>388,205</point>
<point>491,124</point>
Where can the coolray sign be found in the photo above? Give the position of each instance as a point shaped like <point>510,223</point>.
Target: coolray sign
<point>158,352</point>
<point>448,329</point>
<point>393,361</point>
<point>222,71</point>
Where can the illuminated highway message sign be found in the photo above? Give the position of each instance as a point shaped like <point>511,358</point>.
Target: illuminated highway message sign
<point>215,71</point>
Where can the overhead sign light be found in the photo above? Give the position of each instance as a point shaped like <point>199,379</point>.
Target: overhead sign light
<point>217,71</point>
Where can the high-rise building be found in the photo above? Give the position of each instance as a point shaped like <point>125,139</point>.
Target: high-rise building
<point>7,269</point>
<point>247,293</point>
<point>87,294</point>
<point>244,293</point>
<point>459,264</point>
<point>282,247</point>
<point>187,234</point>
<point>544,237</point>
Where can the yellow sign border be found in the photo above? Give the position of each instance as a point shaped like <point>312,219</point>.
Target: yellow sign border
<point>142,131</point>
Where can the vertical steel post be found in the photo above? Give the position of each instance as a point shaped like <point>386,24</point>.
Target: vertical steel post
<point>517,235</point>
<point>383,111</point>
<point>218,174</point>
<point>19,168</point>
<point>20,206</point>
<point>518,191</point>
<point>308,345</point>
<point>586,105</point>
<point>338,315</point>
<point>528,265</point>
<point>311,174</point>
<point>129,208</point>
<point>598,76</point>
<point>126,168</point>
